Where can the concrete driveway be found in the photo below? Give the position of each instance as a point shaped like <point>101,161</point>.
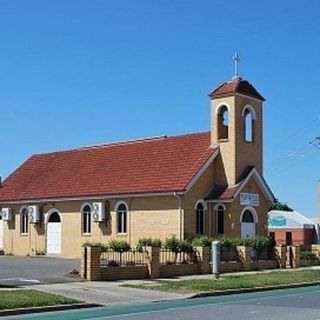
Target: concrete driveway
<point>18,271</point>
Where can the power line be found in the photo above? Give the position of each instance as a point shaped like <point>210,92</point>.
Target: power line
<point>302,131</point>
<point>292,162</point>
<point>314,143</point>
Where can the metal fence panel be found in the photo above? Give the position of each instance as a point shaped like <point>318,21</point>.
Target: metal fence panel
<point>131,257</point>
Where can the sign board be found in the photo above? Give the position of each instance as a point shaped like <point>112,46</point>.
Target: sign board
<point>249,199</point>
<point>277,221</point>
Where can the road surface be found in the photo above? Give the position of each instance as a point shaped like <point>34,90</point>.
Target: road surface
<point>22,271</point>
<point>293,304</point>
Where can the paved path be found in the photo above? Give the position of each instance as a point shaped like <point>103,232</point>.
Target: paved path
<point>289,304</point>
<point>111,293</point>
<point>106,293</point>
<point>17,271</point>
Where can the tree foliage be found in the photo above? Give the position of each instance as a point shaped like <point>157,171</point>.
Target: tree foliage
<point>278,205</point>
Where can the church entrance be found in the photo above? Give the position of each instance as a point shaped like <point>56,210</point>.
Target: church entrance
<point>248,225</point>
<point>54,233</point>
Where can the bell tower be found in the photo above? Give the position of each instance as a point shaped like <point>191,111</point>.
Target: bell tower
<point>236,125</point>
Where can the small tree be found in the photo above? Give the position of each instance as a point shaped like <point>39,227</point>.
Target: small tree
<point>103,246</point>
<point>260,243</point>
<point>119,246</point>
<point>144,242</point>
<point>185,246</point>
<point>230,243</point>
<point>173,244</point>
<point>281,206</point>
<point>202,242</point>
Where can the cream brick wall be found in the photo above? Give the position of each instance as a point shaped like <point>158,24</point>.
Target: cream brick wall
<point>157,217</point>
<point>236,153</point>
<point>22,244</point>
<point>199,190</point>
<point>234,209</point>
<point>227,147</point>
<point>248,153</point>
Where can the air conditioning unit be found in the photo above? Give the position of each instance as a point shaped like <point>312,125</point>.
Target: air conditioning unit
<point>98,212</point>
<point>7,214</point>
<point>33,213</point>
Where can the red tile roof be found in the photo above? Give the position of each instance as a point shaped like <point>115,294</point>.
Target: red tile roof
<point>236,86</point>
<point>219,192</point>
<point>143,166</point>
<point>223,192</point>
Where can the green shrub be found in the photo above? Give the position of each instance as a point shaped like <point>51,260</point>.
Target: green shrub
<point>185,246</point>
<point>260,243</point>
<point>145,242</point>
<point>202,242</point>
<point>308,255</point>
<point>172,244</point>
<point>229,243</point>
<point>119,245</point>
<point>176,245</point>
<point>103,246</point>
<point>189,237</point>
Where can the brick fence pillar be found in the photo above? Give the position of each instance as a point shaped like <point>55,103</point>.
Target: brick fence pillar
<point>295,256</point>
<point>153,262</point>
<point>83,266</point>
<point>93,263</point>
<point>315,248</point>
<point>204,257</point>
<point>281,256</point>
<point>245,256</point>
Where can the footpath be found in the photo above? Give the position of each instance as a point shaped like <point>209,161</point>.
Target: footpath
<point>112,293</point>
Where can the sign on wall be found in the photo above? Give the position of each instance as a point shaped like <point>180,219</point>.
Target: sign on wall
<point>249,199</point>
<point>277,221</point>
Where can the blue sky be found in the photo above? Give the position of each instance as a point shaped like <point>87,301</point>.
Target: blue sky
<point>74,73</point>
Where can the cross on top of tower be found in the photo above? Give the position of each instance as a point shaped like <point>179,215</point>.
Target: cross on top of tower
<point>236,59</point>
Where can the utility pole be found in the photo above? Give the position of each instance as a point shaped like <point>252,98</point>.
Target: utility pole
<point>318,207</point>
<point>316,144</point>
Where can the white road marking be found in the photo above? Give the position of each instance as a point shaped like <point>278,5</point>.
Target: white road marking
<point>21,279</point>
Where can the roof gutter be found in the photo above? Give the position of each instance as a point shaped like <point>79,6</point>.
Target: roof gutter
<point>87,198</point>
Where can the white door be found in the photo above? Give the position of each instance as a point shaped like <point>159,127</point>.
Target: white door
<point>248,229</point>
<point>1,232</point>
<point>54,234</point>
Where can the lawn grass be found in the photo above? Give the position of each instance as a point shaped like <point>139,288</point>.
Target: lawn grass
<point>13,299</point>
<point>235,282</point>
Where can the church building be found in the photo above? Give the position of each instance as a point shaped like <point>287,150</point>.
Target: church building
<point>208,183</point>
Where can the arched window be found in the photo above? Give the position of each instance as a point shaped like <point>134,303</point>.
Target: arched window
<point>200,219</point>
<point>86,219</point>
<point>248,123</point>
<point>220,219</point>
<point>247,216</point>
<point>122,218</point>
<point>54,217</point>
<point>24,223</point>
<point>223,122</point>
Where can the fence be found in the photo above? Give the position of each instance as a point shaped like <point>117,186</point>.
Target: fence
<point>154,262</point>
<point>130,258</point>
<point>168,257</point>
<point>229,254</point>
